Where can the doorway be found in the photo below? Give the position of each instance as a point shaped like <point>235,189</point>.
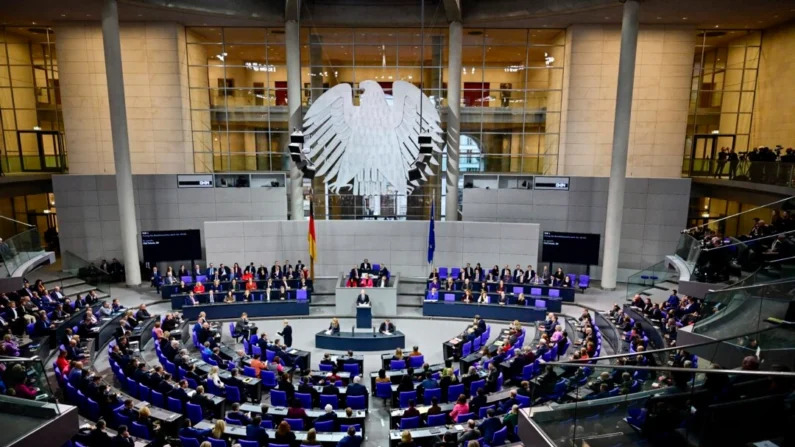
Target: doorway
<point>40,150</point>
<point>704,154</point>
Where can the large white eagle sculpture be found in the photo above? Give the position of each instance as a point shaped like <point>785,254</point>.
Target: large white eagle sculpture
<point>372,147</point>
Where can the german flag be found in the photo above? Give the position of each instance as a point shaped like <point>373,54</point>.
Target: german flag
<point>312,239</point>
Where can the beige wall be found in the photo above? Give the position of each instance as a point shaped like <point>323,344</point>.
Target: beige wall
<point>659,106</point>
<point>155,75</point>
<point>774,110</point>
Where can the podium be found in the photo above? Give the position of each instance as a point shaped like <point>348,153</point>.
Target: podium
<point>364,317</point>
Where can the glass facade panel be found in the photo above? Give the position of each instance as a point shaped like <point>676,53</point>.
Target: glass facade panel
<point>30,102</point>
<point>511,90</point>
<point>722,96</point>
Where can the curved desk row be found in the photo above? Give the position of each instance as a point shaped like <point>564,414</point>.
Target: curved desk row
<point>551,304</point>
<point>530,290</point>
<point>178,300</point>
<point>650,329</point>
<point>232,311</point>
<point>359,341</point>
<point>167,290</point>
<point>486,311</point>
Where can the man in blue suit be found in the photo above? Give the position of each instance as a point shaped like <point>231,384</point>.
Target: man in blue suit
<point>356,388</point>
<point>490,425</point>
<point>256,433</point>
<point>211,272</point>
<point>351,439</point>
<point>187,431</point>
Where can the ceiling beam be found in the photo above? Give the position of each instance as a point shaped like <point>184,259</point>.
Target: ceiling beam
<point>292,10</point>
<point>453,10</point>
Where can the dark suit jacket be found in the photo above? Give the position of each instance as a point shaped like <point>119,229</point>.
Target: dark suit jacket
<point>255,433</point>
<point>119,441</point>
<point>386,328</point>
<point>356,389</point>
<point>488,427</point>
<point>477,403</point>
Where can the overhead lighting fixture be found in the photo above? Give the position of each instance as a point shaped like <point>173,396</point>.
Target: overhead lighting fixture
<point>684,18</point>
<point>36,128</point>
<point>221,56</point>
<point>548,60</point>
<point>256,66</point>
<point>514,68</point>
<point>46,211</point>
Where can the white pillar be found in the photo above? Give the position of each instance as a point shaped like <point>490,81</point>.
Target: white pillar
<point>453,120</point>
<point>618,166</point>
<point>292,38</point>
<point>121,142</point>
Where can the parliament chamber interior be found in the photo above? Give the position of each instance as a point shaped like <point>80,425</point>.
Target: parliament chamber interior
<point>410,223</point>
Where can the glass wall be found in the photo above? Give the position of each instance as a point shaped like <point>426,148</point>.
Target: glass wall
<point>723,88</point>
<point>510,101</point>
<point>30,102</point>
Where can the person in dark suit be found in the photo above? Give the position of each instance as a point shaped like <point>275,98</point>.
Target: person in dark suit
<point>189,432</point>
<point>256,433</point>
<point>386,327</point>
<point>481,325</point>
<point>250,269</point>
<point>329,415</point>
<point>202,400</point>
<point>363,299</point>
<point>490,425</point>
<point>491,378</point>
<point>356,388</point>
<point>351,439</point>
<point>365,267</point>
<point>471,433</point>
<point>334,327</point>
<point>123,438</point>
<point>329,389</point>
<point>479,401</point>
<point>287,334</point>
<point>238,415</point>
<point>181,393</point>
<point>98,437</point>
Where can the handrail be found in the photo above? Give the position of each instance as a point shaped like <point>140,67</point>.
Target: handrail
<point>750,240</point>
<point>764,373</point>
<point>737,214</point>
<point>676,348</point>
<point>770,283</point>
<point>16,221</point>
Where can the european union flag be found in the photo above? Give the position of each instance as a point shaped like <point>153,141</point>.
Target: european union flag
<point>431,238</point>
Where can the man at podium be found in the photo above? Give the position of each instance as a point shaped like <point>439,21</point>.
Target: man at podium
<point>363,300</point>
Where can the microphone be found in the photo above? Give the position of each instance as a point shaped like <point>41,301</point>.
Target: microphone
<point>373,331</point>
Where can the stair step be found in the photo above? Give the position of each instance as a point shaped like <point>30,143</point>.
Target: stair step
<point>63,282</point>
<point>81,289</point>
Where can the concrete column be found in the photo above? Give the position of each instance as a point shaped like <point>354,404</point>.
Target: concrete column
<point>618,166</point>
<point>292,37</point>
<point>453,119</point>
<point>121,142</point>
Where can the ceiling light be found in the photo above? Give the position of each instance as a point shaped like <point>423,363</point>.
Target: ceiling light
<point>36,128</point>
<point>63,15</point>
<point>33,23</point>
<point>716,26</point>
<point>88,15</point>
<point>607,18</point>
<point>659,18</point>
<point>684,18</point>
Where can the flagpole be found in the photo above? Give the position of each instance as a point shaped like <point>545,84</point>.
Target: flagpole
<point>311,255</point>
<point>433,202</point>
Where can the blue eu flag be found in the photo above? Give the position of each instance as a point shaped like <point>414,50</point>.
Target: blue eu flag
<point>431,238</point>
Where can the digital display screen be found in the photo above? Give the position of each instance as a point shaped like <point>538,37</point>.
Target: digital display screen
<point>554,183</point>
<point>172,245</point>
<point>570,248</point>
<point>195,181</point>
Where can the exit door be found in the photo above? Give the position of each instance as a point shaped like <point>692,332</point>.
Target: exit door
<point>704,154</point>
<point>40,150</point>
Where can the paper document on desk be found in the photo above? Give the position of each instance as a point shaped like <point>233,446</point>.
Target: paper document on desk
<point>328,332</point>
<point>455,341</point>
<point>292,351</point>
<point>498,343</point>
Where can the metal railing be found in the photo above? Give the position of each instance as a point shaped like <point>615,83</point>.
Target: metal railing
<point>87,271</point>
<point>19,248</point>
<point>764,172</point>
